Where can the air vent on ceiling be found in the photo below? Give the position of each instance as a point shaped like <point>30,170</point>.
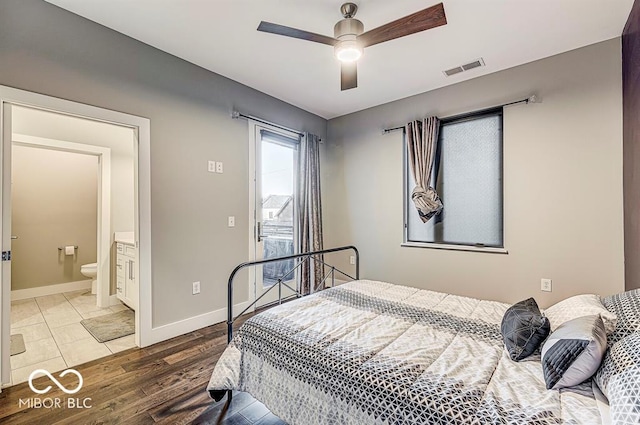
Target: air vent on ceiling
<point>467,66</point>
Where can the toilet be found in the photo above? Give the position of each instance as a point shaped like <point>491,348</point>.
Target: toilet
<point>91,271</point>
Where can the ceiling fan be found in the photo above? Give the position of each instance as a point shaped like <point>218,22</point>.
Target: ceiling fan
<point>349,38</point>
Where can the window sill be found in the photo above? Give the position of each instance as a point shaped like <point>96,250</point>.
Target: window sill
<point>470,248</point>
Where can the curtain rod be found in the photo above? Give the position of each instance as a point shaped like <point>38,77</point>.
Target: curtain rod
<point>236,115</point>
<point>531,99</point>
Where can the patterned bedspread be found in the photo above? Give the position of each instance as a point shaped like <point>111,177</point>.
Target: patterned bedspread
<point>375,353</point>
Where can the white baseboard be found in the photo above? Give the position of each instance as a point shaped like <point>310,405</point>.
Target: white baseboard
<point>172,330</point>
<point>41,291</point>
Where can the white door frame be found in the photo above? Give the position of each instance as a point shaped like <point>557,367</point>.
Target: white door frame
<point>105,299</point>
<point>142,129</point>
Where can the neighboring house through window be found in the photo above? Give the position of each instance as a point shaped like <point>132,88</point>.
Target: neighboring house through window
<point>467,175</point>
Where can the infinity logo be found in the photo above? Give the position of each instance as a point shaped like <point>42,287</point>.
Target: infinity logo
<point>62,387</point>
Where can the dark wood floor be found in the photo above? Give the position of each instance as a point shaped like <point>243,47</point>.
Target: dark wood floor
<point>164,383</point>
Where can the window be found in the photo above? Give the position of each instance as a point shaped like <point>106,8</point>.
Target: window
<point>468,177</point>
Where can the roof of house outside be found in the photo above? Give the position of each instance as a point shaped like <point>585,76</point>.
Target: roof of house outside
<point>276,202</point>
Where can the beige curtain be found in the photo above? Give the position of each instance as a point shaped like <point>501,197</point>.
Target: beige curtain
<point>309,210</point>
<point>422,141</point>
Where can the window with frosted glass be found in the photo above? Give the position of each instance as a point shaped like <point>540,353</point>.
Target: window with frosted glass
<point>468,177</point>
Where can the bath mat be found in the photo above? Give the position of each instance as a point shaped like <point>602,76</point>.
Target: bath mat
<point>111,326</point>
<point>16,345</point>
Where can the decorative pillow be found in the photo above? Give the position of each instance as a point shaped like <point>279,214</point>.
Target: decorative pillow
<point>573,352</point>
<point>619,379</point>
<point>578,306</point>
<point>627,307</point>
<point>523,329</point>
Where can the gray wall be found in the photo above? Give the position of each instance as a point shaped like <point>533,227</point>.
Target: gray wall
<point>562,183</point>
<point>48,50</point>
<point>53,203</point>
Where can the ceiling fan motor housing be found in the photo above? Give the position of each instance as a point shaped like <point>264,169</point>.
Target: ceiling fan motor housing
<point>348,27</point>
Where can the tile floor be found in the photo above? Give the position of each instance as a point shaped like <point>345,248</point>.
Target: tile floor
<point>53,335</point>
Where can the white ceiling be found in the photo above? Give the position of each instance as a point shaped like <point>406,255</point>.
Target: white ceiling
<point>220,35</point>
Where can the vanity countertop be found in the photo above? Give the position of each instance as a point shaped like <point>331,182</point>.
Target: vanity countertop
<point>124,237</point>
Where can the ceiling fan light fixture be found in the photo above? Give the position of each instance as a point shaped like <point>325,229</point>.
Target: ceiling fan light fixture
<point>348,51</point>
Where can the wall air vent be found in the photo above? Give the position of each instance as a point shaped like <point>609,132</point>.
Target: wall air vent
<point>466,67</point>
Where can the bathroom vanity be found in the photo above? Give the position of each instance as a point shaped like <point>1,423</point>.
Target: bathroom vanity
<point>126,270</point>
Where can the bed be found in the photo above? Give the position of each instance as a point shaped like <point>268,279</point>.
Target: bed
<point>369,352</point>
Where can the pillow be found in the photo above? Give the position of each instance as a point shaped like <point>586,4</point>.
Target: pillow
<point>523,329</point>
<point>619,379</point>
<point>572,354</point>
<point>578,306</point>
<point>627,307</point>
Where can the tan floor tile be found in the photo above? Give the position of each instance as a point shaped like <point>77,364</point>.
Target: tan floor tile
<point>24,301</point>
<point>83,301</point>
<point>83,351</point>
<point>33,332</point>
<point>70,333</point>
<point>121,344</point>
<point>51,365</point>
<point>117,308</point>
<point>57,319</point>
<point>24,313</point>
<point>37,351</point>
<point>92,314</point>
<point>55,303</point>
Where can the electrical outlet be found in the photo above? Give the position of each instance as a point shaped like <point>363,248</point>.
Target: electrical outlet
<point>231,221</point>
<point>545,285</point>
<point>352,259</point>
<point>219,167</point>
<point>211,166</point>
<point>196,288</point>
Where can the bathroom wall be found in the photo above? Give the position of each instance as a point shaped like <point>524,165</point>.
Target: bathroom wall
<point>33,122</point>
<point>54,203</point>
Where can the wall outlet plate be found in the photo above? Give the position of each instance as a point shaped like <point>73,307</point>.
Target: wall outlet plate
<point>352,259</point>
<point>231,222</point>
<point>545,285</point>
<point>219,167</point>
<point>211,166</point>
<point>196,288</point>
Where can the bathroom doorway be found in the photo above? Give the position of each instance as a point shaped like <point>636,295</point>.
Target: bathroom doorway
<point>72,202</point>
<point>57,316</point>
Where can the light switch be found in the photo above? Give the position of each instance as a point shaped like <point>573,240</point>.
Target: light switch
<point>232,221</point>
<point>219,167</point>
<point>211,167</point>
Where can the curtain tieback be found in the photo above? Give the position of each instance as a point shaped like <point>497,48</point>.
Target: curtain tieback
<point>427,202</point>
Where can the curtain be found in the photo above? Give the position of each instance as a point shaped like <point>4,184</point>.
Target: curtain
<point>309,210</point>
<point>422,141</point>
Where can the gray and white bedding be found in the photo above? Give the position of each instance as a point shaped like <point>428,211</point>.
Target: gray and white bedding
<point>375,353</point>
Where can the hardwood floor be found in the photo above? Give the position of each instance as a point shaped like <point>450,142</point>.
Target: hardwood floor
<point>161,384</point>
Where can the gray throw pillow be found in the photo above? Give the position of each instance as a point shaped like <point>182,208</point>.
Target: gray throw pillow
<point>523,329</point>
<point>572,354</point>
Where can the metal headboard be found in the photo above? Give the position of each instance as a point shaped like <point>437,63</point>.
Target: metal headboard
<point>306,257</point>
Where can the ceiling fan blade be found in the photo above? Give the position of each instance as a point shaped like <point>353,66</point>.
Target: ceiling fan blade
<point>348,75</point>
<point>295,33</point>
<point>428,18</point>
